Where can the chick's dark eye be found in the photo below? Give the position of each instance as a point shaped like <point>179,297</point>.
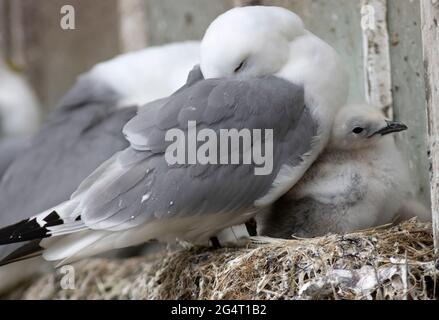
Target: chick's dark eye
<point>358,130</point>
<point>240,66</point>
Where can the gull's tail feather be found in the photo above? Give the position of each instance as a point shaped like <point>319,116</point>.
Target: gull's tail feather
<point>75,246</point>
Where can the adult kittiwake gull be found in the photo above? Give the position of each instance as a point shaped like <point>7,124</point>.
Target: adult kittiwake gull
<point>360,181</point>
<point>138,194</point>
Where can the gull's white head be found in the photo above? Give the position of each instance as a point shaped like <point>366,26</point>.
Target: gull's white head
<point>361,126</point>
<point>257,41</point>
<point>249,41</point>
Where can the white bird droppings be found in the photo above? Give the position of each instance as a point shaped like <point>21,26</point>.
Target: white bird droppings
<point>146,197</point>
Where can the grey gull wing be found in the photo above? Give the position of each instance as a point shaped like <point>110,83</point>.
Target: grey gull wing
<point>10,148</point>
<point>114,197</point>
<point>137,187</point>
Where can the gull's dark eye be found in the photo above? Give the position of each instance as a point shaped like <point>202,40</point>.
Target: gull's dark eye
<point>240,66</point>
<point>358,130</point>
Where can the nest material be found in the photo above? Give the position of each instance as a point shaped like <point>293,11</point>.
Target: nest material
<point>388,263</point>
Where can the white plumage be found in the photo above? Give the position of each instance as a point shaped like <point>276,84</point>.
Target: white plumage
<point>149,74</point>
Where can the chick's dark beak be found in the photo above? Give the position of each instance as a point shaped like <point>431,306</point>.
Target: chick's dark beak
<point>392,127</point>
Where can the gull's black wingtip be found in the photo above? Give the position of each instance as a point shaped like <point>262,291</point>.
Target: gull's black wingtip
<point>29,229</point>
<point>25,230</point>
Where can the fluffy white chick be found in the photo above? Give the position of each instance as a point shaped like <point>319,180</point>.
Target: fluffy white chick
<point>360,181</point>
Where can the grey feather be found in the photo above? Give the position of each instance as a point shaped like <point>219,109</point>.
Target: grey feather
<point>88,90</point>
<point>194,76</point>
<point>141,128</point>
<point>113,198</point>
<point>10,148</point>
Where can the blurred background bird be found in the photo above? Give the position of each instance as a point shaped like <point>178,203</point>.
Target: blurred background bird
<point>47,165</point>
<point>20,112</point>
<point>86,127</point>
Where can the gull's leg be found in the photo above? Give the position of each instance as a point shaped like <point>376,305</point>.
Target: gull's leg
<point>215,243</point>
<point>252,227</point>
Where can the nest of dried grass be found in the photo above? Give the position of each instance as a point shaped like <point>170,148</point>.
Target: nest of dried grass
<point>387,263</point>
